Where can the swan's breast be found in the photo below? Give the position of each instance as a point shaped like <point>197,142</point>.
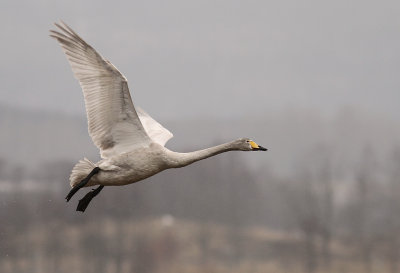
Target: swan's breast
<point>132,166</point>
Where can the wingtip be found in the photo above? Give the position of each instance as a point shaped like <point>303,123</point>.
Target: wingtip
<point>57,23</point>
<point>62,23</point>
<point>56,31</point>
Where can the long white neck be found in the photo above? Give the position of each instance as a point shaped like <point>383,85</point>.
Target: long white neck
<point>178,160</point>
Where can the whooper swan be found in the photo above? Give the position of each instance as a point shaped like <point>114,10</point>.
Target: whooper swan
<point>131,143</point>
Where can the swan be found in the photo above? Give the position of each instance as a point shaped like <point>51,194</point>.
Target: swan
<point>131,143</point>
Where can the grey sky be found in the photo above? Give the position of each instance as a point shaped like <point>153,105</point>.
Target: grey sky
<point>223,58</point>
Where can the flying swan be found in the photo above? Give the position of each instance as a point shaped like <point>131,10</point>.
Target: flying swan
<point>131,143</point>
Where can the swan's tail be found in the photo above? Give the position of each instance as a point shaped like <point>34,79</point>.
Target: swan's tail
<point>80,171</point>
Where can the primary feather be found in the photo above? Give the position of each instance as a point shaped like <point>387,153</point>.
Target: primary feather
<point>114,125</point>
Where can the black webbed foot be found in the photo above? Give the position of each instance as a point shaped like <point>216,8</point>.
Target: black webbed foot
<point>82,183</point>
<point>84,202</point>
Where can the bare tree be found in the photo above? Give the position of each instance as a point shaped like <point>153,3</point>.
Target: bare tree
<point>392,220</point>
<point>302,202</point>
<point>324,178</point>
<point>361,209</point>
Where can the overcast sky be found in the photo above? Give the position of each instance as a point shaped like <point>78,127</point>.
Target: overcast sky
<point>220,58</point>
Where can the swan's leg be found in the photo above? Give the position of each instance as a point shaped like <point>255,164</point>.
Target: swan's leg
<point>84,202</point>
<point>82,183</point>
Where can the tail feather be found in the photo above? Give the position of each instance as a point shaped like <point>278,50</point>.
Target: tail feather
<point>80,171</point>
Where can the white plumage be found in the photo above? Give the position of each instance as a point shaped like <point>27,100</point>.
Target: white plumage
<point>131,143</point>
<point>112,119</point>
<point>154,129</point>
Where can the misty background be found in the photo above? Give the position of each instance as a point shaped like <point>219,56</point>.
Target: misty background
<point>313,81</point>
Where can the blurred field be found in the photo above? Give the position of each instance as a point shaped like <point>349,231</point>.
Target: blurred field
<point>324,198</point>
<point>165,244</point>
<point>200,219</point>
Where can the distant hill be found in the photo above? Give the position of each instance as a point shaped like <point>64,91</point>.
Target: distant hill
<point>31,138</point>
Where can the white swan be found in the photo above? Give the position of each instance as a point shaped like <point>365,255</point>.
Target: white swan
<point>131,143</point>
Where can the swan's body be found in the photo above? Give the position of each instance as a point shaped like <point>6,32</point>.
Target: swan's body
<point>141,163</point>
<point>131,143</point>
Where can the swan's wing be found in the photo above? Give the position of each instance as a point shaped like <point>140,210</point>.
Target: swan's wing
<point>154,129</point>
<point>113,122</point>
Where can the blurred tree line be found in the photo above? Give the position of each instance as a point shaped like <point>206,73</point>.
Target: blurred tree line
<point>326,217</point>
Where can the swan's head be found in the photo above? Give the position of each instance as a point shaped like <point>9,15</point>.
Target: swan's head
<point>246,144</point>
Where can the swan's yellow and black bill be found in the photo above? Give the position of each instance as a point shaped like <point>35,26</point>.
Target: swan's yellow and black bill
<point>257,147</point>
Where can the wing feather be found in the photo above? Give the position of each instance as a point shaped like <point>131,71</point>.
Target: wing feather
<point>154,129</point>
<point>113,122</point>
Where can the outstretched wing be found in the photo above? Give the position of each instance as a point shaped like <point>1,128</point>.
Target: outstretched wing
<point>114,125</point>
<point>154,129</point>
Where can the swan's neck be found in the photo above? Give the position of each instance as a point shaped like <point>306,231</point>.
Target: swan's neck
<point>178,160</point>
